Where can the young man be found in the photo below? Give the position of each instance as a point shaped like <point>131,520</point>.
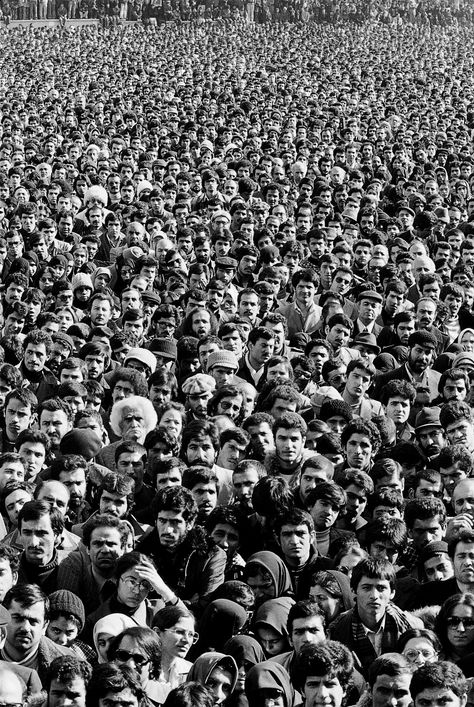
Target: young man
<point>374,626</point>
<point>439,683</point>
<point>360,375</point>
<point>302,314</point>
<point>360,441</point>
<point>389,681</point>
<point>289,432</point>
<point>174,544</point>
<point>40,526</point>
<point>398,397</point>
<point>326,502</point>
<point>457,422</point>
<point>306,626</point>
<point>20,411</point>
<point>322,673</point>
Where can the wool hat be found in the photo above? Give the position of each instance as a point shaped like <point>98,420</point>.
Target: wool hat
<point>65,601</point>
<point>144,356</point>
<point>331,408</point>
<point>226,359</point>
<point>428,417</point>
<point>464,359</point>
<point>437,547</point>
<point>199,384</point>
<point>385,362</point>
<point>81,441</point>
<point>82,279</point>
<point>166,348</point>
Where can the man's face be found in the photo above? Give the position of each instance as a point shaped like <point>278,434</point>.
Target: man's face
<point>289,445</point>
<point>71,693</point>
<point>322,690</point>
<point>35,357</point>
<point>105,549</point>
<point>75,482</point>
<point>398,409</point>
<point>338,336</point>
<point>435,697</point>
<point>324,513</point>
<point>427,531</point>
<point>463,562</point>
<point>391,691</point>
<point>438,568</point>
<point>201,451</point>
<point>357,383</point>
<point>358,451</point>
<point>26,626</point>
<point>425,314</point>
<point>420,357</point>
<point>244,484</point>
<point>461,432</point>
<point>54,424</point>
<point>124,698</point>
<point>38,539</point>
<point>295,542</point>
<point>231,453</point>
<point>172,529</point>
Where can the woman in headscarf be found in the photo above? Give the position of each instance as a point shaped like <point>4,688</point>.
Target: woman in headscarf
<point>221,620</point>
<point>218,672</point>
<point>246,652</point>
<point>269,681</point>
<point>268,576</point>
<point>106,629</point>
<point>331,590</point>
<point>270,625</point>
<point>465,339</point>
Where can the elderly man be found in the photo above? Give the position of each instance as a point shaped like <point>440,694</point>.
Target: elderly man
<point>130,419</point>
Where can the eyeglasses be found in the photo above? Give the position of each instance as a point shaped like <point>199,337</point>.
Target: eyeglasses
<point>182,633</point>
<point>456,621</point>
<point>136,584</point>
<point>138,659</point>
<point>413,654</point>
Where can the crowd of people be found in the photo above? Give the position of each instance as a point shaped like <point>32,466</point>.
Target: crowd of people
<point>392,12</point>
<point>237,365</point>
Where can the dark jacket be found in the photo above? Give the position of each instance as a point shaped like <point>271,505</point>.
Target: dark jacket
<point>193,571</point>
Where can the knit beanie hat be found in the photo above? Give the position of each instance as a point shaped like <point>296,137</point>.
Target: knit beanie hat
<point>65,601</point>
<point>330,408</point>
<point>82,279</point>
<point>84,442</point>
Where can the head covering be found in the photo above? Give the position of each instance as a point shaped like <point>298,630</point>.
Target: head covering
<point>245,648</point>
<point>345,587</point>
<point>113,625</point>
<point>464,331</point>
<point>427,417</point>
<point>385,362</point>
<point>226,359</point>
<point>268,676</point>
<point>205,664</point>
<point>464,359</point>
<point>84,442</point>
<point>443,362</point>
<point>81,279</point>
<point>339,408</point>
<point>67,602</point>
<point>274,613</point>
<point>221,620</point>
<point>166,348</point>
<point>198,384</point>
<point>275,566</point>
<point>144,356</point>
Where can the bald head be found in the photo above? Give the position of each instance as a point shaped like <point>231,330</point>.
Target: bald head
<point>12,687</point>
<point>56,493</point>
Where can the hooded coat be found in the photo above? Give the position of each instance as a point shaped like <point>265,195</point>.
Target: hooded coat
<point>268,676</point>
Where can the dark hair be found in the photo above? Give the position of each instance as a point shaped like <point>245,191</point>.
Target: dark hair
<point>34,510</point>
<point>418,633</point>
<point>147,640</point>
<point>360,426</point>
<point>455,454</point>
<point>271,497</point>
<point>373,569</point>
<point>424,508</point>
<point>110,677</point>
<point>327,491</point>
<point>294,516</point>
<point>67,463</point>
<point>328,658</point>
<point>391,664</point>
<point>303,609</point>
<point>65,668</point>
<point>104,520</point>
<point>170,615</point>
<point>392,530</point>
<point>133,377</point>
<point>399,388</point>
<point>27,595</point>
<point>197,429</point>
<point>176,499</point>
<point>190,694</point>
<point>441,675</point>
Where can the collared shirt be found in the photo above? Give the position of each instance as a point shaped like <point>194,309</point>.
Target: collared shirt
<point>256,374</point>
<point>363,328</point>
<point>375,637</point>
